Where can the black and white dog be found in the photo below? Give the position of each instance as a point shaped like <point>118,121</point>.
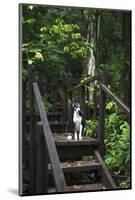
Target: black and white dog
<point>77,119</point>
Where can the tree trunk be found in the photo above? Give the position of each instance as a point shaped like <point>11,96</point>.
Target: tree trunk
<point>125,74</point>
<point>91,39</point>
<point>97,56</point>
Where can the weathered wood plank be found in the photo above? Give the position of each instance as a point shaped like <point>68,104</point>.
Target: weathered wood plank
<point>82,98</point>
<point>65,104</point>
<point>116,99</point>
<point>84,83</point>
<point>75,166</point>
<point>21,97</point>
<point>32,172</point>
<point>57,123</point>
<point>82,188</point>
<point>75,152</point>
<point>71,148</point>
<point>86,187</point>
<point>101,124</point>
<point>41,162</point>
<point>70,114</point>
<point>64,142</point>
<point>53,113</point>
<point>106,176</point>
<point>52,152</point>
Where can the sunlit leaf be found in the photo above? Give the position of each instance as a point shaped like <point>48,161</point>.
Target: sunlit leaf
<point>30,61</point>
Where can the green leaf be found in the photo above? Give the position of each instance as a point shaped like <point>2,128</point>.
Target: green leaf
<point>112,117</point>
<point>39,56</point>
<point>43,29</point>
<point>30,61</point>
<point>29,21</point>
<point>110,105</point>
<point>30,7</point>
<point>66,49</point>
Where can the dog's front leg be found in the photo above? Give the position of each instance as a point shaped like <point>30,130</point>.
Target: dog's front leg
<point>80,133</point>
<point>75,135</point>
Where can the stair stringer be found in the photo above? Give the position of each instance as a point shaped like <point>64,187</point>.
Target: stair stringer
<point>107,179</point>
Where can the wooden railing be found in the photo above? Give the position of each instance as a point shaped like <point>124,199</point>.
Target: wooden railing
<point>104,92</point>
<point>44,138</point>
<point>83,83</point>
<point>116,99</point>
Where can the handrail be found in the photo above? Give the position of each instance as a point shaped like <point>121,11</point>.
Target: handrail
<point>107,91</point>
<point>49,141</point>
<point>84,83</point>
<point>116,99</point>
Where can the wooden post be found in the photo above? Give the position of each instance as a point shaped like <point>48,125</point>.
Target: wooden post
<point>24,85</point>
<point>101,125</point>
<point>95,103</point>
<point>32,153</point>
<point>70,129</point>
<point>41,161</point>
<point>65,113</point>
<point>87,99</point>
<point>82,93</point>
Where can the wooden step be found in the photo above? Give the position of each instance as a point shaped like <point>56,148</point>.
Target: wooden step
<point>86,187</point>
<point>53,116</point>
<point>54,113</point>
<point>56,123</point>
<point>59,108</point>
<point>82,188</point>
<point>61,140</point>
<point>58,127</point>
<point>69,149</point>
<point>78,166</point>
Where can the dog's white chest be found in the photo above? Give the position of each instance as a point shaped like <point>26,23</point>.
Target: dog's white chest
<point>77,117</point>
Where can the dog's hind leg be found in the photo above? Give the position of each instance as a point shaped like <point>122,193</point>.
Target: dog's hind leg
<point>80,132</point>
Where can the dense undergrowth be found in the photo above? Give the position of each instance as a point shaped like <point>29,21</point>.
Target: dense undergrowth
<point>117,143</point>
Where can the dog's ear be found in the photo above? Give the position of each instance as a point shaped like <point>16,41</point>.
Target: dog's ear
<point>78,105</point>
<point>73,104</point>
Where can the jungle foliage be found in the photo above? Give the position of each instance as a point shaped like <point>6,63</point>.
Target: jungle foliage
<point>117,142</point>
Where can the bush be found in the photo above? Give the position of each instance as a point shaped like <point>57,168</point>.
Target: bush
<point>91,128</point>
<point>117,142</point>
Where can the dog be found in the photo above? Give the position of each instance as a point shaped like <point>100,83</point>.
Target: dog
<point>77,119</point>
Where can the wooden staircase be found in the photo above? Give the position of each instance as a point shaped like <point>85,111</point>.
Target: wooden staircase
<point>80,174</point>
<point>56,164</point>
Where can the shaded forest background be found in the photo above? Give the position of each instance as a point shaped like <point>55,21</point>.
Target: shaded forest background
<point>68,45</point>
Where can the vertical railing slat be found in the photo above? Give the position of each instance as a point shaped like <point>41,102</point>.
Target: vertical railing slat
<point>70,128</point>
<point>83,100</point>
<point>41,162</point>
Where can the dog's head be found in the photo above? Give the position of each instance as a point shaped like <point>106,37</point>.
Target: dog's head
<point>77,107</point>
